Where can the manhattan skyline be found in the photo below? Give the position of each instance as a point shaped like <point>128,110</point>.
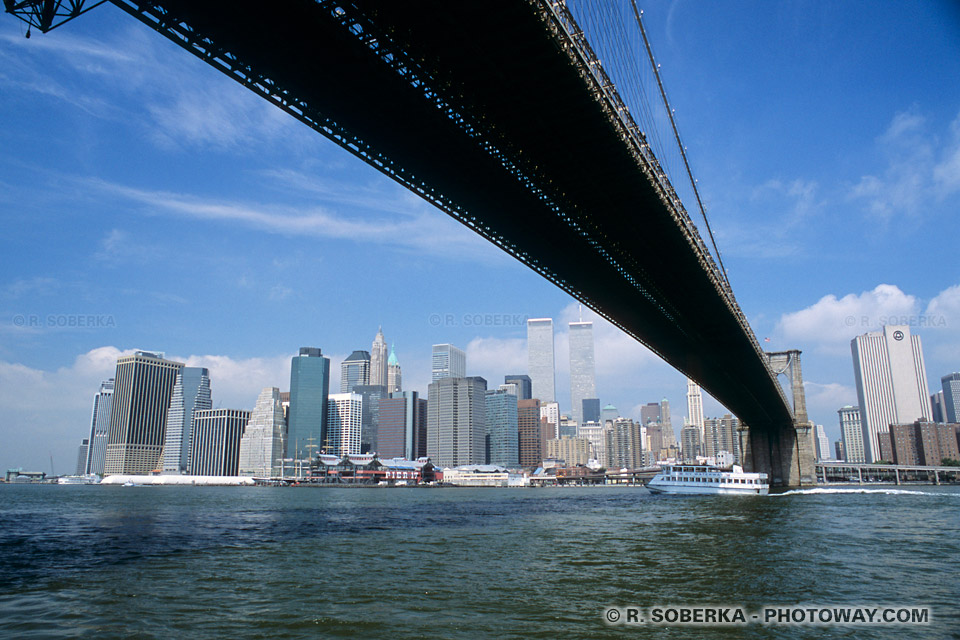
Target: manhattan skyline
<point>187,216</point>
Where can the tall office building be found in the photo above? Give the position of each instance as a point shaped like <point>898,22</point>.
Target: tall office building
<point>582,369</point>
<point>261,446</point>
<point>530,441</point>
<point>403,426</point>
<point>99,428</point>
<point>838,450</point>
<point>624,444</point>
<point>371,395</point>
<point>666,425</point>
<point>502,429</point>
<point>891,383</point>
<point>138,414</point>
<point>938,411</point>
<point>191,392</point>
<point>540,359</point>
<point>447,362</point>
<point>394,377</point>
<point>354,371</point>
<point>823,444</point>
<point>307,416</point>
<point>951,397</point>
<point>852,433</point>
<point>456,421</point>
<point>593,432</point>
<point>345,423</point>
<point>690,444</point>
<point>590,410</point>
<point>609,413</point>
<point>524,385</point>
<point>82,456</point>
<point>695,407</point>
<point>650,413</point>
<point>215,441</point>
<point>720,434</point>
<point>378,360</point>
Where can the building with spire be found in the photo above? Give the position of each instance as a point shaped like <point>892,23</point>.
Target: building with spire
<point>378,360</point>
<point>394,379</point>
<point>695,407</point>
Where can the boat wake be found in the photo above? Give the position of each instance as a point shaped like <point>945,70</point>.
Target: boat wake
<point>833,490</point>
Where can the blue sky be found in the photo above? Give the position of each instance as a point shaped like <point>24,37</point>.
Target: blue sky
<point>171,209</point>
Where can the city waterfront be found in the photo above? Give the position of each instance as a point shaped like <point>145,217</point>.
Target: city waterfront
<point>250,562</point>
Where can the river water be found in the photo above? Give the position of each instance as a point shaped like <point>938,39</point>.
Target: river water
<point>299,562</point>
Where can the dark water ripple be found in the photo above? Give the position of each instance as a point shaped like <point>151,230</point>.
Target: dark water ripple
<point>198,562</point>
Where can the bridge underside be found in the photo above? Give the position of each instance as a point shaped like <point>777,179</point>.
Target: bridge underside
<point>487,111</point>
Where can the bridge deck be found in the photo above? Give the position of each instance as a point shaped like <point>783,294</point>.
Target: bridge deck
<point>485,111</point>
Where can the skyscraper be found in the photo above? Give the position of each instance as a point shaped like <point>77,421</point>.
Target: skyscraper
<point>394,378</point>
<point>524,385</point>
<point>191,392</point>
<point>590,411</point>
<point>502,429</point>
<point>448,362</point>
<point>891,383</point>
<point>852,433</point>
<point>582,369</point>
<point>82,456</point>
<point>624,444</point>
<point>695,407</point>
<point>371,396</point>
<point>138,414</point>
<point>403,426</point>
<point>937,407</point>
<point>378,360</point>
<point>951,396</point>
<point>345,423</point>
<point>456,421</point>
<point>307,416</point>
<point>528,425</point>
<point>609,413</point>
<point>650,413</point>
<point>690,443</point>
<point>261,446</point>
<point>215,441</point>
<point>540,359</point>
<point>666,425</point>
<point>354,371</point>
<point>823,444</point>
<point>99,428</point>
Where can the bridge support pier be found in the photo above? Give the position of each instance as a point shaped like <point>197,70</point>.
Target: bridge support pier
<point>785,454</point>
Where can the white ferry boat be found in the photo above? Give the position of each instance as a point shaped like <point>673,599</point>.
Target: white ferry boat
<point>90,478</point>
<point>708,479</point>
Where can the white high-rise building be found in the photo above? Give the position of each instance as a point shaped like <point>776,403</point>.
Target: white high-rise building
<point>261,446</point>
<point>448,362</point>
<point>99,428</point>
<point>344,423</point>
<point>891,383</point>
<point>582,369</point>
<point>823,444</point>
<point>852,434</point>
<point>378,360</point>
<point>593,431</point>
<point>551,411</point>
<point>540,359</point>
<point>695,407</point>
<point>191,393</point>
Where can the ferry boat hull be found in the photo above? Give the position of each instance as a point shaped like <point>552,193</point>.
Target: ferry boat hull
<point>708,480</point>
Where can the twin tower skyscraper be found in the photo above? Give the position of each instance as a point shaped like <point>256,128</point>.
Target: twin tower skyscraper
<point>542,369</point>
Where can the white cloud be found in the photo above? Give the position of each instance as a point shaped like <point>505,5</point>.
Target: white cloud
<point>913,178</point>
<point>493,358</point>
<point>832,322</point>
